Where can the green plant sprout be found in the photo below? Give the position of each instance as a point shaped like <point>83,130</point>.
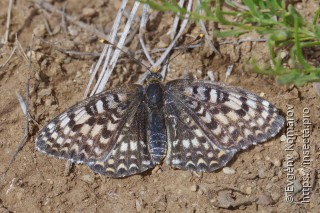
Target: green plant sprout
<point>281,24</point>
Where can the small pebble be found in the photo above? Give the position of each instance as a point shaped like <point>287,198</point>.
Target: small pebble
<point>73,31</point>
<point>248,190</point>
<point>40,30</point>
<point>276,162</point>
<point>264,200</point>
<point>87,178</point>
<point>45,92</point>
<point>165,39</point>
<point>138,206</point>
<point>194,188</point>
<point>88,12</point>
<point>228,171</point>
<point>261,173</point>
<point>275,196</point>
<point>155,170</point>
<point>56,29</point>
<point>296,186</point>
<point>283,138</point>
<point>211,75</point>
<point>269,186</point>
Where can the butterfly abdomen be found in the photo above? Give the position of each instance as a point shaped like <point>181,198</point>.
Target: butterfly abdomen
<point>156,123</point>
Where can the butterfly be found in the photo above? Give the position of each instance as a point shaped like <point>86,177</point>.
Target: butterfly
<point>191,124</point>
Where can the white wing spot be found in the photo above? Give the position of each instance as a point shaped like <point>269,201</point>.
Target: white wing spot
<point>265,103</point>
<point>104,140</point>
<point>206,146</point>
<point>198,132</point>
<point>96,130</point>
<point>97,150</point>
<point>251,103</point>
<point>188,91</point>
<point>115,117</point>
<point>246,117</point>
<point>201,110</point>
<point>111,126</point>
<point>146,162</point>
<point>175,143</point>
<point>176,161</point>
<point>133,165</point>
<point>233,105</point>
<point>210,155</point>
<point>60,140</point>
<point>90,142</point>
<point>66,130</point>
<point>264,114</point>
<point>207,118</point>
<point>213,96</point>
<point>201,94</point>
<point>222,118</point>
<point>201,161</point>
<point>54,135</point>
<point>247,132</point>
<point>217,131</point>
<point>122,166</point>
<point>99,106</point>
<point>260,121</point>
<point>111,161</point>
<point>231,129</point>
<point>122,97</point>
<point>234,116</point>
<point>225,139</point>
<point>133,145</point>
<point>64,122</point>
<point>85,129</point>
<point>83,118</point>
<point>251,112</point>
<point>51,127</point>
<point>124,147</point>
<point>186,143</point>
<point>195,142</point>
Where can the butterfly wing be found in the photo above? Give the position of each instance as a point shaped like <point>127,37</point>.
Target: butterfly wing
<point>208,123</point>
<point>95,132</point>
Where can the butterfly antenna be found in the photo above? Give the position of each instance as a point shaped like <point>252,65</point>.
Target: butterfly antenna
<point>199,37</point>
<point>126,53</point>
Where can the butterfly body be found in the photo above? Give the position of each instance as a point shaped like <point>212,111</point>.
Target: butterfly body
<point>194,125</point>
<point>156,128</point>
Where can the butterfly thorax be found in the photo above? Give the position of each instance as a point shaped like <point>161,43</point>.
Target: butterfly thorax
<point>157,136</point>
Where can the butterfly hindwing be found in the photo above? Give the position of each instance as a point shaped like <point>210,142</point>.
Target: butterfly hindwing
<point>130,154</point>
<point>188,147</point>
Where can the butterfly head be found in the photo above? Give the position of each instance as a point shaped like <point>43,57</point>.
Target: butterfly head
<point>154,77</point>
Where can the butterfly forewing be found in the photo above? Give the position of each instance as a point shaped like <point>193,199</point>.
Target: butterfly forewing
<point>225,118</point>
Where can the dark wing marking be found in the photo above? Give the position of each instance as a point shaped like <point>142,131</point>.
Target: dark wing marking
<point>225,117</point>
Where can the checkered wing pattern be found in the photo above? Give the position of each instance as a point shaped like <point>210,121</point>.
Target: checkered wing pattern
<point>106,132</point>
<point>207,123</point>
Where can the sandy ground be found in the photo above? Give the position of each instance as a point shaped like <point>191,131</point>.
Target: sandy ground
<point>38,183</point>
